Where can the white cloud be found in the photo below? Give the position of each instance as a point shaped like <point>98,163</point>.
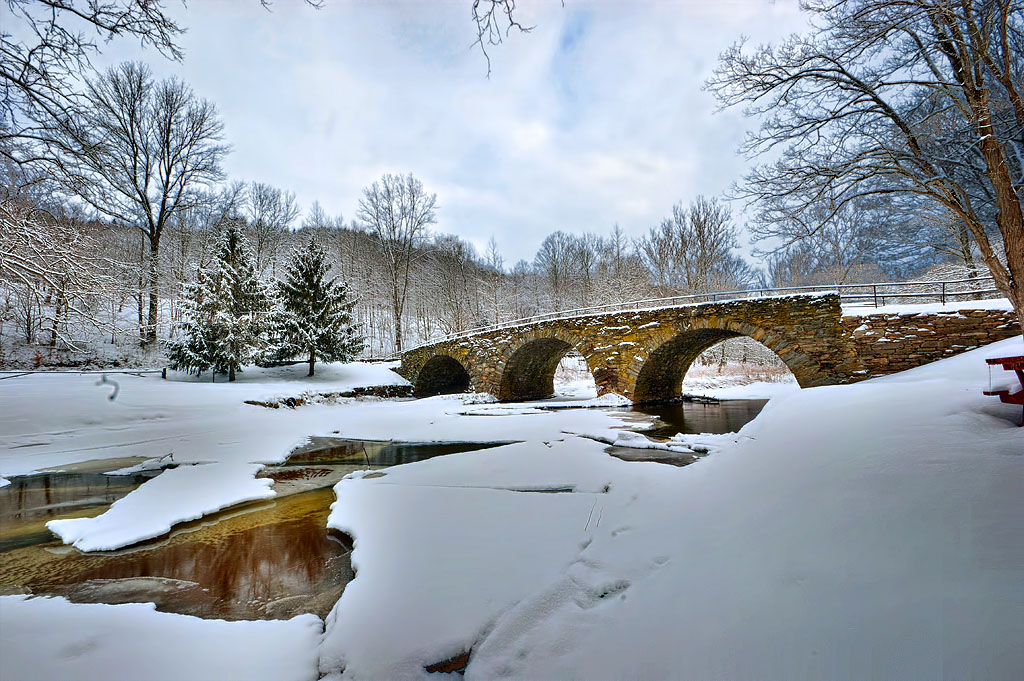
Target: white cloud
<point>597,116</point>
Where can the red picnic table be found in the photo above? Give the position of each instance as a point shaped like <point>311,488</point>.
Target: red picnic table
<point>1015,364</point>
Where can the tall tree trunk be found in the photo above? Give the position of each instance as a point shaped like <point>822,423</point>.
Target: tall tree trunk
<point>154,272</point>
<point>396,310</point>
<point>56,320</point>
<point>1010,220</point>
<point>140,298</point>
<point>312,361</point>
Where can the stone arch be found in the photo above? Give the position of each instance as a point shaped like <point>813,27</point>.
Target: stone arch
<point>440,375</point>
<point>659,373</point>
<point>529,369</point>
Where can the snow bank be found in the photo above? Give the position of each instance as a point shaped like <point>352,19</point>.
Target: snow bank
<point>175,496</point>
<point>865,309</point>
<point>681,443</point>
<point>50,638</point>
<point>442,419</point>
<point>606,400</point>
<point>729,390</point>
<point>538,407</point>
<point>849,532</point>
<point>333,377</point>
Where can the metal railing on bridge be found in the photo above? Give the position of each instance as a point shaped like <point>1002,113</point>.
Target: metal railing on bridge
<point>872,295</point>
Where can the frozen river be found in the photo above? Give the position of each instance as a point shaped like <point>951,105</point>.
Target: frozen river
<point>266,559</point>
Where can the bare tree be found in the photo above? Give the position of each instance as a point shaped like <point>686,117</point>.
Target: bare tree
<point>553,263</point>
<point>920,97</point>
<point>452,272</point>
<point>495,266</point>
<point>45,47</point>
<point>691,252</point>
<point>494,20</point>
<point>622,276</point>
<point>398,211</point>
<point>271,213</point>
<point>584,259</point>
<point>141,152</point>
<point>840,240</point>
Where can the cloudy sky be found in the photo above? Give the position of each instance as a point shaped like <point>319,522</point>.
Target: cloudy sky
<point>597,116</point>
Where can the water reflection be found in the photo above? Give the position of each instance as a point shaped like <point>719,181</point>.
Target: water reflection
<point>727,416</point>
<point>31,500</point>
<point>375,454</point>
<point>268,559</point>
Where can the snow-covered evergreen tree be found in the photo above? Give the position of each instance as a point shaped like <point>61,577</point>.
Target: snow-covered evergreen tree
<point>227,313</point>
<point>191,350</point>
<point>315,321</point>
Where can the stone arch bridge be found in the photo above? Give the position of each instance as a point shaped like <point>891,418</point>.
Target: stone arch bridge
<point>644,354</point>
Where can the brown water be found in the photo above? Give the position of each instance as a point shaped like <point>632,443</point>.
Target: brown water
<point>264,560</point>
<point>32,500</point>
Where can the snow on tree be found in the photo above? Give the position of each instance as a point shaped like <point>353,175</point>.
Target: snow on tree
<point>227,313</point>
<point>315,317</point>
<point>192,350</point>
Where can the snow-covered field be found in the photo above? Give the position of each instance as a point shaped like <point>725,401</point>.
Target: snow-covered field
<point>864,531</point>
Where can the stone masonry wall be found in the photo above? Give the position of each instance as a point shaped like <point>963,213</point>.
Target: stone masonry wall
<point>888,343</point>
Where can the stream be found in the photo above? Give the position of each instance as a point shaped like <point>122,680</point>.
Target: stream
<point>262,560</point>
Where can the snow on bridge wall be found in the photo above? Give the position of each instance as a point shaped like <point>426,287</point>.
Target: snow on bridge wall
<point>887,343</point>
<point>644,354</point>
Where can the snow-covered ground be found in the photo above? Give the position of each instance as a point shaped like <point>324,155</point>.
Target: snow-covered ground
<point>50,639</point>
<point>863,531</point>
<point>850,532</point>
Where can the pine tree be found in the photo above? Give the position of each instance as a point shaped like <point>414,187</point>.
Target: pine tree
<point>227,313</point>
<point>315,321</point>
<point>192,350</point>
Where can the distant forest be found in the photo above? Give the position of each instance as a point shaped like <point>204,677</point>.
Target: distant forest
<point>451,285</point>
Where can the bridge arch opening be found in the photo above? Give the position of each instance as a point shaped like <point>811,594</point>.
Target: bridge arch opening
<point>573,378</point>
<point>529,373</point>
<point>660,378</point>
<point>441,375</point>
<point>736,361</point>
